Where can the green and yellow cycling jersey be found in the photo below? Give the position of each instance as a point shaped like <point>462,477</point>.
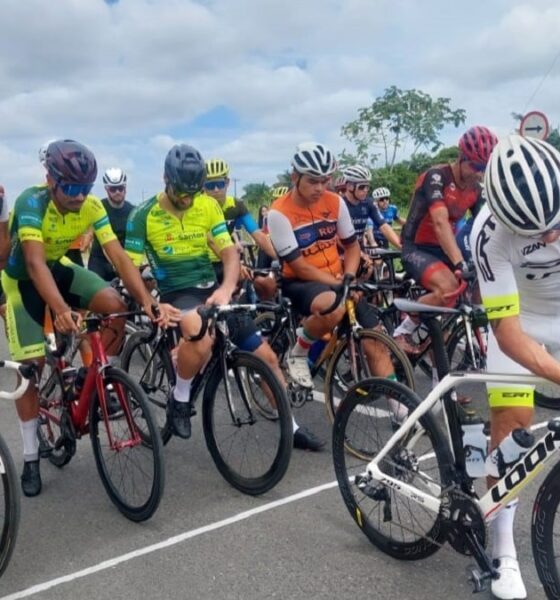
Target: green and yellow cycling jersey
<point>35,218</point>
<point>177,249</point>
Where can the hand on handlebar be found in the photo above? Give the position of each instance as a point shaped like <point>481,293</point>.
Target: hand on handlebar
<point>466,270</point>
<point>163,314</point>
<point>68,321</point>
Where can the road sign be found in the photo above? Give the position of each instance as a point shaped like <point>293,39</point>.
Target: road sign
<point>535,124</point>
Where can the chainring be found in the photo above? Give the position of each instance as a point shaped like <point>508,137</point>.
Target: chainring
<point>461,515</point>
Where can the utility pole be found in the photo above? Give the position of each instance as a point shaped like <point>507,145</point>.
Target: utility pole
<point>235,180</point>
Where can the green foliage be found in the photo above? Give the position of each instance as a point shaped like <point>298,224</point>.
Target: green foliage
<point>255,195</point>
<point>398,118</point>
<point>284,178</point>
<point>554,138</point>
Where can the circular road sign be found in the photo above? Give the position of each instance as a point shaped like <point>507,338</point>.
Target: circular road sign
<point>535,124</point>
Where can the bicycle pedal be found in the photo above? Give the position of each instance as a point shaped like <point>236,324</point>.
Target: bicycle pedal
<point>478,579</point>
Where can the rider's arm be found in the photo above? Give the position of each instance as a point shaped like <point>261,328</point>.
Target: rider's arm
<point>352,255</point>
<point>263,242</point>
<point>4,244</point>
<point>391,235</point>
<point>230,259</point>
<point>444,233</point>
<point>378,220</point>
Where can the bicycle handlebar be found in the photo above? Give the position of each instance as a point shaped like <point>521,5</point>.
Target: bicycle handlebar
<point>27,371</point>
<point>341,293</point>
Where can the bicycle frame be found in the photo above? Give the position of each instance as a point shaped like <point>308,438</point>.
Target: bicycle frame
<point>508,487</point>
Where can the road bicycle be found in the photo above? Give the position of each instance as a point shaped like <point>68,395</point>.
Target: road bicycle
<point>246,416</point>
<point>9,484</point>
<point>409,490</point>
<point>109,405</point>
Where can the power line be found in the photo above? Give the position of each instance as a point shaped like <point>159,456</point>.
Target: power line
<point>541,82</point>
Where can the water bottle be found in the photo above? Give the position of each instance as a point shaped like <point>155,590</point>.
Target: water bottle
<point>475,445</point>
<point>509,451</point>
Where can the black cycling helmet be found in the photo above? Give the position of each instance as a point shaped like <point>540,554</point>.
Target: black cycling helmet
<point>68,161</point>
<point>185,169</point>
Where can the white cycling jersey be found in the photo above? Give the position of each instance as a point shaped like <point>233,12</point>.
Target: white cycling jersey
<point>517,276</point>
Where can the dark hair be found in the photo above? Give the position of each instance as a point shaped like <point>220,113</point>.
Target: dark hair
<point>261,217</point>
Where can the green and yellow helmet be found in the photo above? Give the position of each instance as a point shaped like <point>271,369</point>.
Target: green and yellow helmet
<point>216,168</point>
<point>279,190</point>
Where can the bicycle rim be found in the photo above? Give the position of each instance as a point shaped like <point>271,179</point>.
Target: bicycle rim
<point>349,365</point>
<point>364,423</point>
<point>154,373</point>
<point>251,450</point>
<point>132,472</point>
<point>9,506</point>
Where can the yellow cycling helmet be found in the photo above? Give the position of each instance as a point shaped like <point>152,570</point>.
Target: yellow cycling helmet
<point>279,190</point>
<point>216,167</point>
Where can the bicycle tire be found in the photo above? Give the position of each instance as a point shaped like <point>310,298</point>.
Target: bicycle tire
<point>545,515</point>
<point>337,384</point>
<point>156,382</point>
<point>255,464</point>
<point>459,360</point>
<point>9,506</point>
<point>106,457</point>
<point>365,406</point>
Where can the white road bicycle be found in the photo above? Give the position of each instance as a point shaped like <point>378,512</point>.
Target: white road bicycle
<point>409,491</point>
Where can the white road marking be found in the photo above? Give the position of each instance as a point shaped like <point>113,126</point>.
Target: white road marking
<point>187,535</point>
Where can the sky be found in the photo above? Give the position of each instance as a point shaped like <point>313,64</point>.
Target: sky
<point>247,80</point>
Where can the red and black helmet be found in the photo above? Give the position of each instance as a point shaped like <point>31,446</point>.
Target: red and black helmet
<point>68,161</point>
<point>477,143</point>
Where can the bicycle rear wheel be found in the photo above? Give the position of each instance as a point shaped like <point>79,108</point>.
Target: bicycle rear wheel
<point>154,373</point>
<point>9,506</point>
<point>349,365</point>
<point>545,533</point>
<point>130,468</point>
<point>251,450</point>
<point>392,522</point>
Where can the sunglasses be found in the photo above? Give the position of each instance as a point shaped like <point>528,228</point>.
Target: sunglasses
<point>219,184</point>
<point>383,200</point>
<point>116,188</point>
<point>363,186</point>
<point>75,189</point>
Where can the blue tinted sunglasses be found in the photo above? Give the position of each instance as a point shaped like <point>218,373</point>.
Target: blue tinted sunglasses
<point>75,189</point>
<point>218,184</point>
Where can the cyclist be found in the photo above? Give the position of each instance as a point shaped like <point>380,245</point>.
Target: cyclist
<point>442,196</point>
<point>306,226</point>
<point>4,243</point>
<point>362,208</point>
<point>176,229</point>
<point>118,209</point>
<point>45,220</point>
<point>236,213</point>
<point>516,249</point>
<point>389,212</point>
<point>339,184</point>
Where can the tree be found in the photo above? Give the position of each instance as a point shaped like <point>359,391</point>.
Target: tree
<point>554,138</point>
<point>396,119</point>
<point>284,179</point>
<point>255,195</point>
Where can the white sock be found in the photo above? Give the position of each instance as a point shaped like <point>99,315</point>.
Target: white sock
<point>294,424</point>
<point>30,439</point>
<point>406,326</point>
<point>303,343</point>
<point>502,532</point>
<point>182,392</point>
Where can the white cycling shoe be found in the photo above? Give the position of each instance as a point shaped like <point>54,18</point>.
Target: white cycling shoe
<point>509,586</point>
<point>298,368</point>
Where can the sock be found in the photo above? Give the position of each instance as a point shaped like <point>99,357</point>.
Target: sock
<point>406,327</point>
<point>182,391</point>
<point>502,532</point>
<point>30,439</point>
<point>294,424</point>
<point>303,343</point>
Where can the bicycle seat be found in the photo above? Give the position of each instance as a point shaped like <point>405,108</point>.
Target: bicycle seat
<point>410,306</point>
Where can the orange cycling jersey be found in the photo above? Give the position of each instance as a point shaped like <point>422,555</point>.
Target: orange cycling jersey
<point>310,231</point>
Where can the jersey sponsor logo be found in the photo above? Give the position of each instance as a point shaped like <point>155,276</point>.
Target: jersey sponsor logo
<point>481,256</point>
<point>532,248</point>
<point>27,220</point>
<point>134,244</point>
<point>436,178</point>
<point>167,250</point>
<point>437,195</point>
<point>319,246</point>
<point>493,312</point>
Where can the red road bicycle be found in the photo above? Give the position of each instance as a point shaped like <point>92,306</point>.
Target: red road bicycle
<point>106,403</point>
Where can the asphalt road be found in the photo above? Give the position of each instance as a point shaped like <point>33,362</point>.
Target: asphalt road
<point>209,541</point>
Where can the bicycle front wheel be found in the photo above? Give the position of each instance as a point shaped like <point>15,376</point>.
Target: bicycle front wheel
<point>9,506</point>
<point>251,450</point>
<point>153,370</point>
<point>363,424</point>
<point>544,535</point>
<point>130,467</point>
<point>349,364</point>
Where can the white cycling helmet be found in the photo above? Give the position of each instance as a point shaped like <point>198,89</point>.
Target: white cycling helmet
<point>522,182</point>
<point>314,159</point>
<point>356,174</point>
<point>114,176</point>
<point>381,192</point>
